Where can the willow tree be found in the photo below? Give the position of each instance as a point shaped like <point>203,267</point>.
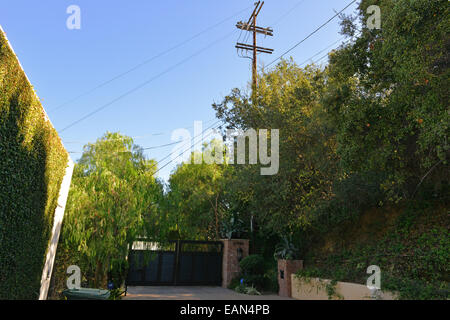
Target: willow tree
<point>113,200</point>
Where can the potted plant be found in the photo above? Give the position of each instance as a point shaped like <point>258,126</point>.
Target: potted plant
<point>288,263</point>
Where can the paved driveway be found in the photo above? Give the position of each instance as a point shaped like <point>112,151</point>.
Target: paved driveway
<point>192,293</point>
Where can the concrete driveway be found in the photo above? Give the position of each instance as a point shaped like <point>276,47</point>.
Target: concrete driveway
<point>192,293</point>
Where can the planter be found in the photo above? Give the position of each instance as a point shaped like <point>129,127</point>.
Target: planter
<point>285,270</point>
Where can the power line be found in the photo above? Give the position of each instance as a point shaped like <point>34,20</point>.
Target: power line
<point>154,147</point>
<point>163,146</point>
<point>214,124</point>
<point>139,137</point>
<point>287,13</point>
<point>145,83</point>
<point>310,35</point>
<point>251,26</point>
<point>321,58</point>
<point>136,137</point>
<point>272,25</point>
<point>190,147</point>
<point>245,36</point>
<point>172,160</point>
<point>169,154</point>
<point>326,55</point>
<point>147,61</point>
<point>149,148</point>
<point>302,63</point>
<point>310,58</point>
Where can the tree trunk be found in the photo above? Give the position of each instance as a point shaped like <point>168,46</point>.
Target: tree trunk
<point>98,274</point>
<point>217,218</point>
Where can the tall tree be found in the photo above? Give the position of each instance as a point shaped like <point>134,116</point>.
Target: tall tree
<point>196,195</point>
<point>113,200</point>
<point>288,98</point>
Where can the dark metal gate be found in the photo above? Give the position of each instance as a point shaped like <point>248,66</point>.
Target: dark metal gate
<point>176,263</point>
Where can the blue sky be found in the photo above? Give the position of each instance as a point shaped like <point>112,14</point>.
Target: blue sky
<point>117,35</point>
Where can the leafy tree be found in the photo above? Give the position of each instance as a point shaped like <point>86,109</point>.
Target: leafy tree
<point>112,201</point>
<point>196,197</point>
<point>203,202</point>
<point>388,94</point>
<point>289,99</point>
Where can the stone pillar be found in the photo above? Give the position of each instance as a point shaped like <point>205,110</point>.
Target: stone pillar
<point>232,250</point>
<point>285,269</point>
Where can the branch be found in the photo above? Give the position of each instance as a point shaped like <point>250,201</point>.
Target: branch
<point>426,174</point>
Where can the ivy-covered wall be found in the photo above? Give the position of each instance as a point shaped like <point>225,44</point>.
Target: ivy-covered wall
<point>32,166</point>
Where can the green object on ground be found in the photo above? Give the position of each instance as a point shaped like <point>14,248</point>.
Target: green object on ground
<point>86,294</point>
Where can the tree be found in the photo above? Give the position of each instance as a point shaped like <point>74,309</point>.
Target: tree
<point>196,194</point>
<point>112,201</point>
<point>388,94</point>
<point>289,99</point>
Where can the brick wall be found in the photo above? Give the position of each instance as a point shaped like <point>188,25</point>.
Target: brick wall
<point>230,261</point>
<point>285,269</point>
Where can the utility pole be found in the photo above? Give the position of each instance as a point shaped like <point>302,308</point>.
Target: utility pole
<point>250,26</point>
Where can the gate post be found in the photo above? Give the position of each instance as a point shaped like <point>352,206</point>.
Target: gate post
<point>234,250</point>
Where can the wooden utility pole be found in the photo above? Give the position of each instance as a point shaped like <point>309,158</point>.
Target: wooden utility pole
<point>250,26</point>
<point>254,66</point>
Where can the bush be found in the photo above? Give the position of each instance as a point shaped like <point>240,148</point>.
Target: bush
<point>32,166</point>
<point>247,290</point>
<point>235,282</point>
<point>252,265</point>
<point>270,281</point>
<point>252,269</point>
<point>117,273</point>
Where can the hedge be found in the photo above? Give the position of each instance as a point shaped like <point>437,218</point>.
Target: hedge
<point>32,166</point>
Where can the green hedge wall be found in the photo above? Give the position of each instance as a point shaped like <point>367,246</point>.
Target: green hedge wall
<point>32,166</point>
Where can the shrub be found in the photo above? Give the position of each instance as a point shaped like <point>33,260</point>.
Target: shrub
<point>252,291</point>
<point>235,282</point>
<point>270,281</point>
<point>247,290</point>
<point>252,269</point>
<point>240,289</point>
<point>252,265</point>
